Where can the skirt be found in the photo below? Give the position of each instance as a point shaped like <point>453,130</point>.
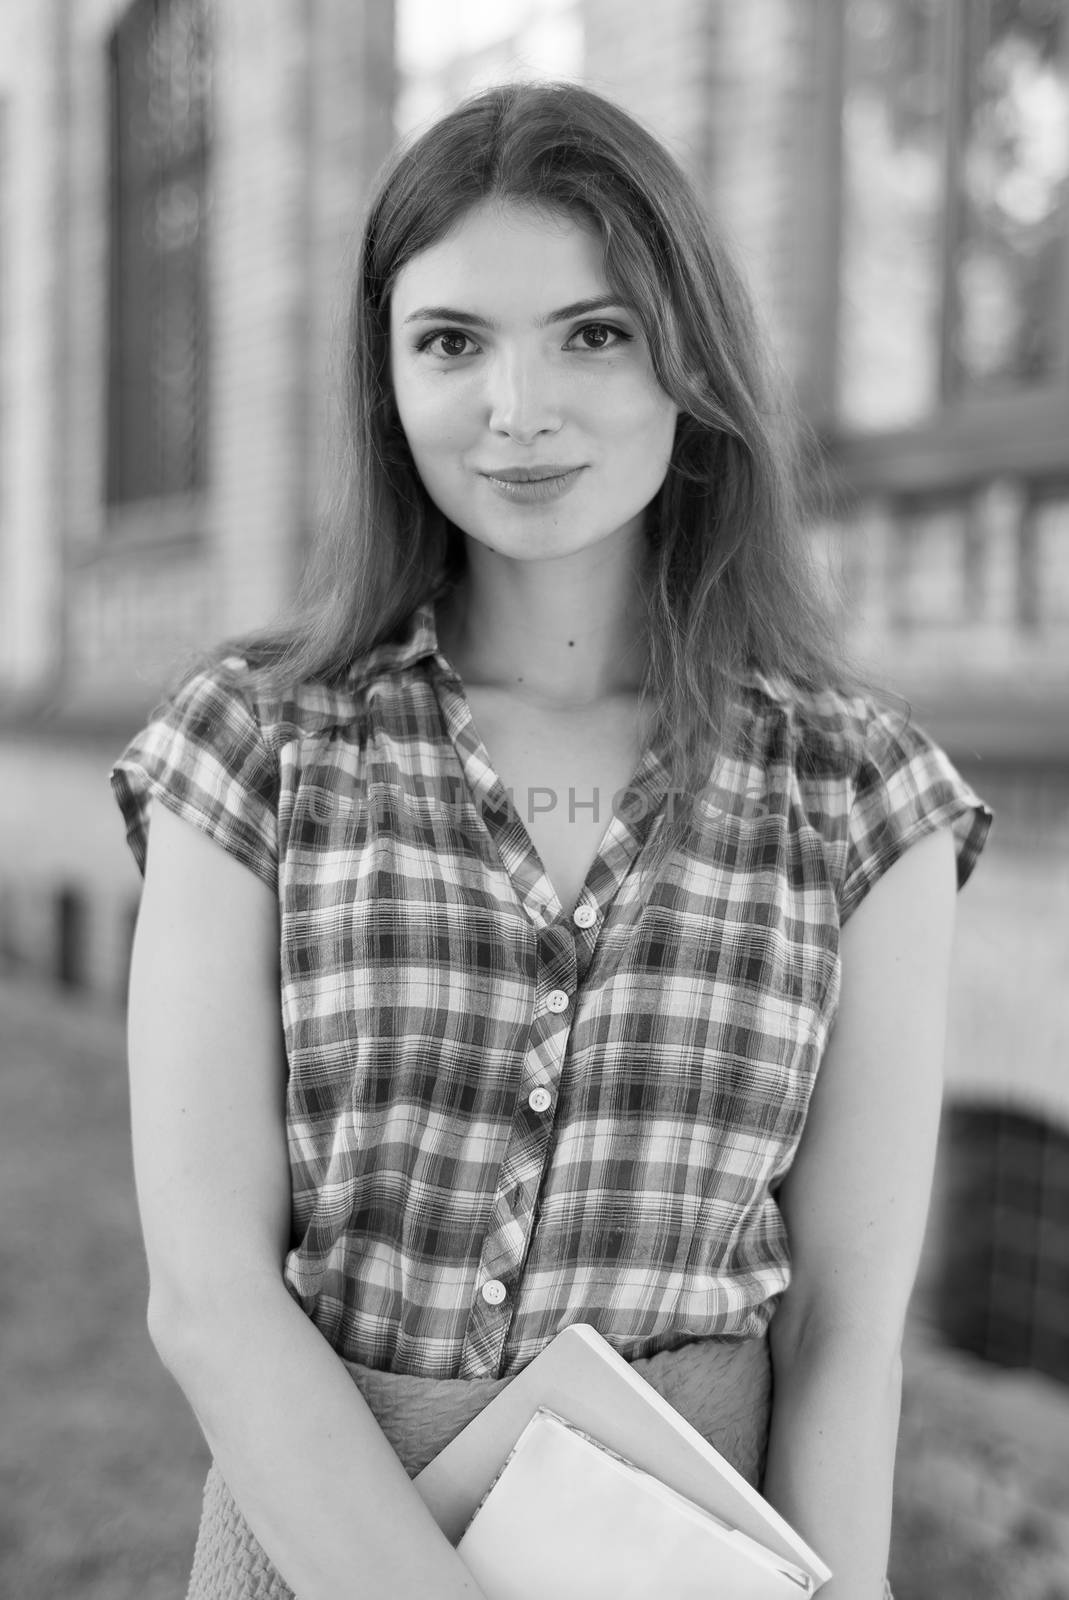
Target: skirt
<point>723,1387</point>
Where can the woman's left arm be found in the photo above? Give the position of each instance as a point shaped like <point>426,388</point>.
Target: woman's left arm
<point>855,1204</point>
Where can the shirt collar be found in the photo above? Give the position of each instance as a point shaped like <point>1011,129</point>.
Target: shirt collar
<point>414,642</point>
<point>417,640</point>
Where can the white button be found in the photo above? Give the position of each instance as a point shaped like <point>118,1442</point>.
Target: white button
<point>556,1000</point>
<point>584,916</point>
<point>493,1291</point>
<point>539,1099</point>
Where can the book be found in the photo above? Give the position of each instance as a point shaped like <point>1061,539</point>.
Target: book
<point>582,1379</point>
<point>568,1518</point>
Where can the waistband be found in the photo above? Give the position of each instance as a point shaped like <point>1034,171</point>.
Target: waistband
<point>723,1387</point>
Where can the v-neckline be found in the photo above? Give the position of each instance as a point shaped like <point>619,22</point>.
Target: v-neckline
<point>519,856</point>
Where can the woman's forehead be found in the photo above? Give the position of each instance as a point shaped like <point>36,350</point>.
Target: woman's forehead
<point>507,255</point>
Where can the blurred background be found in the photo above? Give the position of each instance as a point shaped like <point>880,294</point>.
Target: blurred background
<point>181,185</point>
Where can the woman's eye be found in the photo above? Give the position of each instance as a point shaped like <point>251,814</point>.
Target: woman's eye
<point>600,335</point>
<point>445,345</point>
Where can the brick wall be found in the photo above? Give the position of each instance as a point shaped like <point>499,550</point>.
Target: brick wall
<point>304,119</point>
<point>96,605</point>
<point>303,116</point>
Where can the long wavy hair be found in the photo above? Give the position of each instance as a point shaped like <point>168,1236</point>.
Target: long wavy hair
<point>730,586</point>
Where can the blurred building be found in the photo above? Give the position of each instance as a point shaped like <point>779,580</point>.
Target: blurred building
<point>181,184</point>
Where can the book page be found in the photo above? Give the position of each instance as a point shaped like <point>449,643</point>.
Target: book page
<point>571,1520</point>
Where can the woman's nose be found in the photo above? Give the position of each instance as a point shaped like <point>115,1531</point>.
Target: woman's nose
<point>523,398</point>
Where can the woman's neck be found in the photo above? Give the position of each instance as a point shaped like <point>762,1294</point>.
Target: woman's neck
<point>561,633</point>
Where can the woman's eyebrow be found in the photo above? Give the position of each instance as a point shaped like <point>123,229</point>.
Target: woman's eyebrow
<point>577,308</point>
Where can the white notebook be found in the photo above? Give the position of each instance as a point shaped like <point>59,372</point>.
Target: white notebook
<point>581,1378</point>
<point>569,1519</point>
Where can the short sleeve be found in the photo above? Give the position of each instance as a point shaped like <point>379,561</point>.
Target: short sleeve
<point>906,787</point>
<point>205,756</point>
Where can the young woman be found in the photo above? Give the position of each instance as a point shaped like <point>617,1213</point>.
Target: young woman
<point>538,927</point>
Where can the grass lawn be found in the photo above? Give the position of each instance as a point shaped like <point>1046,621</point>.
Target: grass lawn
<point>100,1459</point>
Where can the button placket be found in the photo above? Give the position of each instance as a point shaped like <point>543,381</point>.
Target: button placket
<point>557,969</point>
<point>487,1332</point>
<point>512,1221</point>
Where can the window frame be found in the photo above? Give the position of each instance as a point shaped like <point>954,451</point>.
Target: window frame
<point>966,439</point>
<point>127,193</point>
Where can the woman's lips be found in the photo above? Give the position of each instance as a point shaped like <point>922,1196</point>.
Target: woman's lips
<point>518,486</point>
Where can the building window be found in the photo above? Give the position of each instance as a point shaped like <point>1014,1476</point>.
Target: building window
<point>160,102</point>
<point>953,268</point>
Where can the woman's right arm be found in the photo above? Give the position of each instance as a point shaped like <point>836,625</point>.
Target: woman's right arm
<point>300,1450</point>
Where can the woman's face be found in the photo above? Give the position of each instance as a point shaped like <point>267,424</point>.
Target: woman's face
<point>525,388</point>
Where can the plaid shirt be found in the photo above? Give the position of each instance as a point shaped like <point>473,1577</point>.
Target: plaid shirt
<point>503,1119</point>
